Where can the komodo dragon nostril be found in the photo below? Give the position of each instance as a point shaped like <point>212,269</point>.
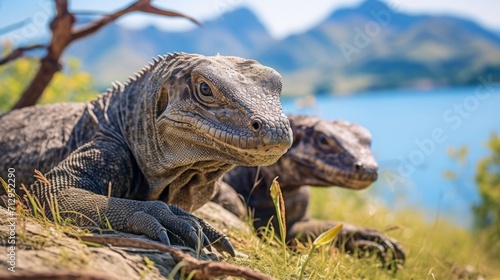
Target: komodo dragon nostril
<point>358,166</point>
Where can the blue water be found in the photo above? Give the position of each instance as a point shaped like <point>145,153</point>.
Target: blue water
<point>411,175</point>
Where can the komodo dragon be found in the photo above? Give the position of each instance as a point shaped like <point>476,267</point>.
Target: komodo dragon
<point>158,143</point>
<point>323,154</point>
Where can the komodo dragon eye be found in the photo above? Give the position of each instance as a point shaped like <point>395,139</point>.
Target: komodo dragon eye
<point>328,144</point>
<point>205,90</point>
<point>322,139</point>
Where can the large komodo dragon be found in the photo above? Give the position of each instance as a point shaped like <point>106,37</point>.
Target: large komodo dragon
<point>159,143</point>
<point>323,154</point>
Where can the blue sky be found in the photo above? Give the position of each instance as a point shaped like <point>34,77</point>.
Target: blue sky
<point>281,17</point>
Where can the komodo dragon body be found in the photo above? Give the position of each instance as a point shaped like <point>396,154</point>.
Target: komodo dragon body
<point>323,154</point>
<point>160,141</point>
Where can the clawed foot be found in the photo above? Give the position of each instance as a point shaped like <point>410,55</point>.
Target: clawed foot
<point>366,241</point>
<point>172,225</point>
<point>355,240</point>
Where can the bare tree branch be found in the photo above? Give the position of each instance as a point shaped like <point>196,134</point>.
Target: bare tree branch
<point>61,7</point>
<point>139,6</point>
<point>64,33</point>
<point>90,13</point>
<point>61,37</point>
<point>15,54</point>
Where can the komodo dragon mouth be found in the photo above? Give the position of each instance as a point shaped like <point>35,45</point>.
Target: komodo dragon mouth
<point>237,139</point>
<point>255,149</point>
<point>323,174</point>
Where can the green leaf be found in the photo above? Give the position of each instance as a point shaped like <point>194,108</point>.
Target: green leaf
<point>327,236</point>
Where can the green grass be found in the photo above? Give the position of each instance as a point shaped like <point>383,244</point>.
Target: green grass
<point>435,249</point>
<point>30,208</point>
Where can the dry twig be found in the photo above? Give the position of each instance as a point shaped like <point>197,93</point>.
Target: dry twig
<point>201,269</point>
<point>15,54</point>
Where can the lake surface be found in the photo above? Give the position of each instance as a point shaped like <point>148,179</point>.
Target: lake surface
<point>412,131</point>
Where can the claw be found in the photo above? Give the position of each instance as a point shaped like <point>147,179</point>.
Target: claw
<point>209,232</point>
<point>164,237</point>
<point>398,257</point>
<point>367,247</point>
<point>223,245</point>
<point>400,254</point>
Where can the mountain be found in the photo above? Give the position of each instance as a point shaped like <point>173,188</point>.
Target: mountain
<point>370,46</point>
<point>373,46</point>
<point>115,52</point>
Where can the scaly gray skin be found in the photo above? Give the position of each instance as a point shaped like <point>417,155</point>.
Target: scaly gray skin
<point>323,154</point>
<point>160,142</point>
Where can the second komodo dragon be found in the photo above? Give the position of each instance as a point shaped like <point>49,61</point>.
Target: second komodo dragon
<point>156,145</point>
<point>323,154</point>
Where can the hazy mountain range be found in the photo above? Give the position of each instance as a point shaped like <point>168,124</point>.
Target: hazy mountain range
<point>366,47</point>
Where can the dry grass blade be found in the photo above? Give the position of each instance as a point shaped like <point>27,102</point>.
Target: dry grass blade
<point>5,187</point>
<point>40,177</point>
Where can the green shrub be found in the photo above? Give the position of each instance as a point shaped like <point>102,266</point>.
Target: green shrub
<point>72,84</point>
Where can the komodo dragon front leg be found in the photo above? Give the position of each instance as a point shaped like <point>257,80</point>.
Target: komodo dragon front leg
<point>323,154</point>
<point>353,239</point>
<point>79,183</point>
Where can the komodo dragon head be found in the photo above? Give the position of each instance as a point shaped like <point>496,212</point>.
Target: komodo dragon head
<point>227,106</point>
<point>328,153</point>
